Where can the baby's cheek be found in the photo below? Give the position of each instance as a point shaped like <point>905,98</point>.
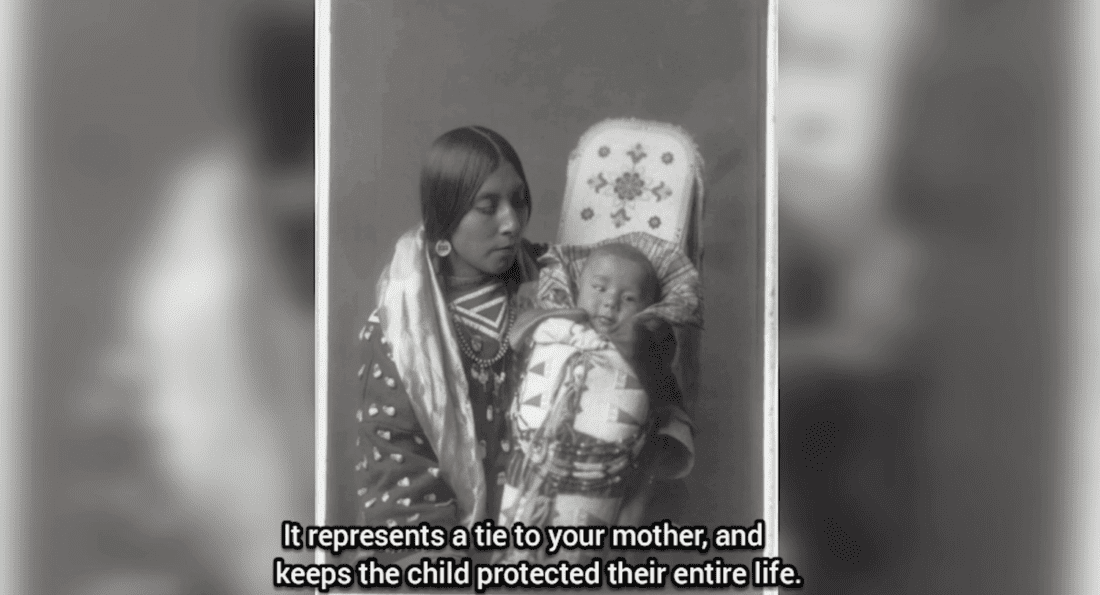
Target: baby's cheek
<point>586,303</point>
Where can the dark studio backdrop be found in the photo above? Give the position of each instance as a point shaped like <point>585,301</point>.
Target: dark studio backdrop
<point>541,73</point>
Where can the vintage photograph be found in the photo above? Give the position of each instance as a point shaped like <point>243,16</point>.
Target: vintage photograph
<point>546,263</point>
<point>938,276</point>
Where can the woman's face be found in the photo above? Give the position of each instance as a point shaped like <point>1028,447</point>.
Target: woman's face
<point>488,236</point>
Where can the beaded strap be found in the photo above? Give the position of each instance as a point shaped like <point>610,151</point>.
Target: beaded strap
<point>554,460</point>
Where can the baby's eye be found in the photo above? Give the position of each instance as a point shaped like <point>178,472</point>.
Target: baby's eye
<point>598,288</point>
<point>486,208</point>
<point>629,299</point>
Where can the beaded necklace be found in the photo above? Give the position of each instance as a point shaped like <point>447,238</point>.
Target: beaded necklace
<point>482,368</point>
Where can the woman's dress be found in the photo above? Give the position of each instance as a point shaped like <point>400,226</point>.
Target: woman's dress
<point>397,470</point>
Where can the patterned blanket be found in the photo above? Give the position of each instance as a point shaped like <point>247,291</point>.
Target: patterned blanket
<point>579,421</point>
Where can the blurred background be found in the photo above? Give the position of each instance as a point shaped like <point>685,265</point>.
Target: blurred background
<point>933,439</point>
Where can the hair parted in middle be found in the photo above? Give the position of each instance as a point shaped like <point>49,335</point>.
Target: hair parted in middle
<point>455,167</point>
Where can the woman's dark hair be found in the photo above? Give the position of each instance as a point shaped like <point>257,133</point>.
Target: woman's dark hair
<point>455,167</point>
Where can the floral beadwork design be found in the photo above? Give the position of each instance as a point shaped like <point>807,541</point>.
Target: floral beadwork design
<point>597,182</point>
<point>620,217</point>
<point>628,186</point>
<point>661,192</point>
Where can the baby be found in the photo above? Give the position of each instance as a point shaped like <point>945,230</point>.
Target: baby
<point>582,413</point>
<point>617,283</point>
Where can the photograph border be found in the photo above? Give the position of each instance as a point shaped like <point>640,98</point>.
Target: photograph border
<point>323,113</point>
<point>770,319</point>
<point>771,290</point>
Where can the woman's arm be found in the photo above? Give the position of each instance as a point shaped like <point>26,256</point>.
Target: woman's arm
<point>397,477</point>
<point>650,344</point>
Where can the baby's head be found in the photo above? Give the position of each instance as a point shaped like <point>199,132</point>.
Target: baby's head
<point>617,282</point>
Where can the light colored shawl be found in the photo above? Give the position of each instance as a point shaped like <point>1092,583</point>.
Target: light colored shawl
<point>414,316</point>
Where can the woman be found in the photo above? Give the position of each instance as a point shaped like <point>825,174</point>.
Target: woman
<point>434,379</point>
<point>435,376</point>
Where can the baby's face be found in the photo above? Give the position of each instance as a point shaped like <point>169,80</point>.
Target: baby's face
<point>612,289</point>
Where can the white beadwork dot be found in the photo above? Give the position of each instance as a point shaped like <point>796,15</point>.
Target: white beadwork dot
<point>372,411</point>
<point>404,502</point>
<point>403,482</point>
<point>505,446</point>
<point>433,471</point>
<point>362,491</point>
<point>359,415</point>
<point>418,440</point>
<point>391,523</point>
<point>489,414</point>
<point>397,457</point>
<point>370,502</point>
<point>384,434</point>
<point>376,371</point>
<point>362,370</point>
<point>377,455</point>
<point>430,498</point>
<point>363,333</point>
<point>386,497</point>
<point>390,410</point>
<point>390,382</point>
<point>413,518</point>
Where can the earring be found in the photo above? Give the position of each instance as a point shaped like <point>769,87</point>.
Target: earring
<point>442,248</point>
